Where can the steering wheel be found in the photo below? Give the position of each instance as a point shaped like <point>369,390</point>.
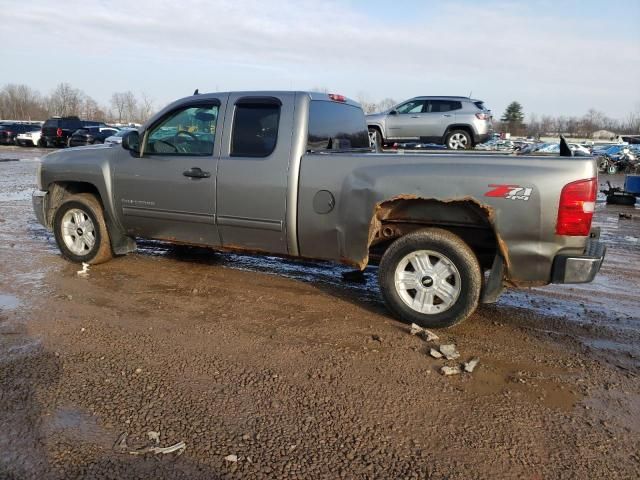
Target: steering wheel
<point>187,133</point>
<point>182,146</point>
<point>175,149</point>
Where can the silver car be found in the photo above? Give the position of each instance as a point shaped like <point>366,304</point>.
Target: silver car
<point>457,122</point>
<point>117,138</point>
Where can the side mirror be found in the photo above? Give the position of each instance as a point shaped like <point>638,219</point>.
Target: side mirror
<point>393,112</point>
<point>131,142</point>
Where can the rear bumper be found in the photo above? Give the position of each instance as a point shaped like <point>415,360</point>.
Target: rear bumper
<point>39,199</point>
<point>55,141</point>
<point>480,137</point>
<point>579,268</point>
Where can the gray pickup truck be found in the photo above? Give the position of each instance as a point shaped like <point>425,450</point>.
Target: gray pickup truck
<point>293,174</point>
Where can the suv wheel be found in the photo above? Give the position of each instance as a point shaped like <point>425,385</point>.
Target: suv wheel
<point>458,140</point>
<point>430,277</point>
<point>375,139</point>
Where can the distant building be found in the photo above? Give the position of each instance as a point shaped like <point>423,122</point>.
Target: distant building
<point>604,135</point>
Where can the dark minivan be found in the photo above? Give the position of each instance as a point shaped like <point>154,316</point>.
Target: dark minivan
<point>57,131</point>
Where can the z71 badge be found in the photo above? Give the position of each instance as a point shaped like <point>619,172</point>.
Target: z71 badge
<point>510,192</point>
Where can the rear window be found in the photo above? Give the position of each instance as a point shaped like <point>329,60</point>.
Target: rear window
<point>480,105</point>
<point>51,123</point>
<point>336,126</point>
<point>70,124</point>
<point>255,129</point>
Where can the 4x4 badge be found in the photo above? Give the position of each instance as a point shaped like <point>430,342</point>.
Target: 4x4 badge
<point>510,192</point>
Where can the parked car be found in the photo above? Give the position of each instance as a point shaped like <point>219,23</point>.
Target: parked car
<point>30,138</point>
<point>116,139</point>
<point>91,135</point>
<point>457,122</point>
<point>292,174</point>
<point>57,130</point>
<point>9,132</point>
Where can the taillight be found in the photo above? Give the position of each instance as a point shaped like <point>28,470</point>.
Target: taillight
<point>577,204</point>
<point>337,98</point>
<point>483,116</point>
<point>59,132</point>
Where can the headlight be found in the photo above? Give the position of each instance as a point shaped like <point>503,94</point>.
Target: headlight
<point>39,175</point>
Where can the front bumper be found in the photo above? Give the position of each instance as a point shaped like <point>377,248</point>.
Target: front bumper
<point>39,199</point>
<point>579,268</point>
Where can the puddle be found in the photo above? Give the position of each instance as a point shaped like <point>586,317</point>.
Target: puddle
<point>77,426</point>
<point>8,302</point>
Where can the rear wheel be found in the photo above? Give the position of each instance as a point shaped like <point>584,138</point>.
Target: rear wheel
<point>80,230</point>
<point>458,140</point>
<point>430,277</point>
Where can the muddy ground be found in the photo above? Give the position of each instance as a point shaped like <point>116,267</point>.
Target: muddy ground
<point>299,374</point>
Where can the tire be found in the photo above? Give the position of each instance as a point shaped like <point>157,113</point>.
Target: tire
<point>458,140</point>
<point>460,271</point>
<point>627,200</point>
<point>77,210</point>
<point>375,137</point>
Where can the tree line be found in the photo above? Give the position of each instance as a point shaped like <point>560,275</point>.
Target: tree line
<point>21,102</point>
<point>585,126</point>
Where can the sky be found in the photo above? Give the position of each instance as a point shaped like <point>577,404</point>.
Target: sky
<point>554,57</point>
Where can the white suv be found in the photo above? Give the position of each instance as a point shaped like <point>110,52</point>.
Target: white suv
<point>457,122</point>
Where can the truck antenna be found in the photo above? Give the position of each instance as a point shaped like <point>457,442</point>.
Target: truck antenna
<point>470,92</point>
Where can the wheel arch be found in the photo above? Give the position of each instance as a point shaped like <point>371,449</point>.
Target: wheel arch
<point>459,126</point>
<point>58,191</point>
<point>465,217</point>
<point>378,126</point>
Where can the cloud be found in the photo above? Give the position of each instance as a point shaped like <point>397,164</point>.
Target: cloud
<point>503,51</point>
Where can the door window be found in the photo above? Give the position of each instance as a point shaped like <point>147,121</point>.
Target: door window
<point>413,106</point>
<point>186,131</point>
<point>255,129</point>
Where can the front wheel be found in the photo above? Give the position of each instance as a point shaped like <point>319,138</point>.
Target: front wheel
<point>430,277</point>
<point>80,230</point>
<point>458,140</point>
<point>375,139</point>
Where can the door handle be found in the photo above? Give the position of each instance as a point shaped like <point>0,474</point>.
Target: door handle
<point>196,172</point>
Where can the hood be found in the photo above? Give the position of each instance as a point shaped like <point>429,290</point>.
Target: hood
<point>377,116</point>
<point>85,154</point>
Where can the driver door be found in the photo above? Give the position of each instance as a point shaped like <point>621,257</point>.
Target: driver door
<point>169,193</point>
<point>405,124</point>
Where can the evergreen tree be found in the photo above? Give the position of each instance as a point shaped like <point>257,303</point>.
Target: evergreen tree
<point>513,117</point>
<point>513,114</point>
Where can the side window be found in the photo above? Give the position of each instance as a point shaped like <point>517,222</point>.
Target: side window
<point>255,129</point>
<point>187,131</point>
<point>444,105</point>
<point>413,106</point>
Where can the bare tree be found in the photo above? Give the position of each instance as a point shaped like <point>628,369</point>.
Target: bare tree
<point>145,109</point>
<point>118,105</point>
<point>593,121</point>
<point>386,104</point>
<point>20,102</point>
<point>130,106</point>
<point>367,106</point>
<point>65,100</point>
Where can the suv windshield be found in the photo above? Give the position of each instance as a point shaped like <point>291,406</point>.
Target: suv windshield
<point>336,126</point>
